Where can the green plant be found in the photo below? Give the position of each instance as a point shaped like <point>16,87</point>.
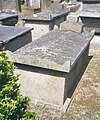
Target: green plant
<point>13,106</point>
<point>98,118</point>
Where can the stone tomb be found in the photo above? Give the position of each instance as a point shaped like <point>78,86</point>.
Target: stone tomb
<point>10,5</point>
<point>8,19</point>
<point>50,67</point>
<point>88,3</point>
<point>45,4</point>
<point>45,21</point>
<point>34,4</point>
<point>90,17</point>
<point>15,37</point>
<point>39,4</point>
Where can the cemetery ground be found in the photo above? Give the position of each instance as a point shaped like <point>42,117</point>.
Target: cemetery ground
<point>85,103</point>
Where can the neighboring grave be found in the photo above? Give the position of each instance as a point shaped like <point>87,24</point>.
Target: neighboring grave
<point>73,1</point>
<point>39,4</point>
<point>72,23</point>
<point>34,4</point>
<point>45,4</point>
<point>90,15</point>
<point>0,6</point>
<point>90,3</point>
<point>10,5</point>
<point>45,21</point>
<point>55,6</point>
<point>51,66</point>
<point>8,18</point>
<point>76,27</point>
<point>15,37</point>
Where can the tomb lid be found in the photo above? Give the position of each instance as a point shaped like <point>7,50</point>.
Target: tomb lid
<point>57,50</point>
<point>8,33</point>
<point>48,15</point>
<point>90,1</point>
<point>90,11</point>
<point>7,15</point>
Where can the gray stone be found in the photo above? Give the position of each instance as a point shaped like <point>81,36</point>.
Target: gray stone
<point>45,4</point>
<point>10,5</point>
<point>15,37</point>
<point>72,17</point>
<point>90,1</point>
<point>48,15</point>
<point>73,1</point>
<point>73,7</point>
<point>0,6</point>
<point>90,4</point>
<point>77,27</point>
<point>90,17</point>
<point>45,21</point>
<point>55,6</point>
<point>34,4</point>
<point>8,18</point>
<point>49,47</point>
<point>56,1</point>
<point>51,66</point>
<point>93,11</point>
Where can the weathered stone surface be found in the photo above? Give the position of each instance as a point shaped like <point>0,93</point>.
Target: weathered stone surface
<point>8,18</point>
<point>10,5</point>
<point>51,66</point>
<point>7,15</point>
<point>39,29</point>
<point>7,33</point>
<point>90,4</point>
<point>76,27</point>
<point>73,1</point>
<point>0,6</point>
<point>89,14</point>
<point>46,111</point>
<point>90,81</point>
<point>34,4</point>
<point>49,15</point>
<point>72,17</point>
<point>73,7</point>
<point>92,8</point>
<point>45,4</point>
<point>15,37</point>
<point>56,6</point>
<point>92,1</point>
<point>57,50</point>
<point>45,21</point>
<point>41,86</point>
<point>90,17</point>
<point>92,11</point>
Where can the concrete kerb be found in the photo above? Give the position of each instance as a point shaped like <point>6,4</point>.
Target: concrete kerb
<point>61,109</point>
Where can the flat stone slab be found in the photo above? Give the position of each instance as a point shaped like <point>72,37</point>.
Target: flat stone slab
<point>92,11</point>
<point>10,5</point>
<point>8,33</point>
<point>4,16</point>
<point>57,50</point>
<point>48,15</point>
<point>90,1</point>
